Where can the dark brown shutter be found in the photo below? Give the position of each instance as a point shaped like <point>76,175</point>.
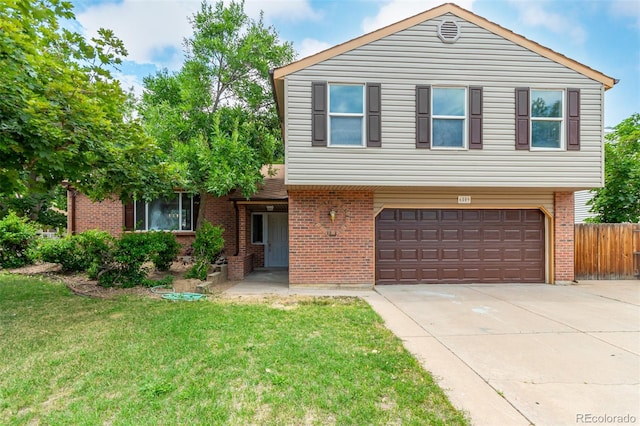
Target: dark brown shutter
<point>423,117</point>
<point>573,119</point>
<point>319,113</point>
<point>374,128</point>
<point>128,216</point>
<point>522,118</point>
<point>196,210</point>
<point>475,117</point>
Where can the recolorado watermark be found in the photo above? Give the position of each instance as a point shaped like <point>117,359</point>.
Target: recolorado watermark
<point>588,418</point>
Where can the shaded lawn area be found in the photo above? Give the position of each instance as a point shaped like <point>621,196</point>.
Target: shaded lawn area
<point>74,360</point>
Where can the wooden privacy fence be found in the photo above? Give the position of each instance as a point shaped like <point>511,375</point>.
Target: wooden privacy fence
<point>607,251</point>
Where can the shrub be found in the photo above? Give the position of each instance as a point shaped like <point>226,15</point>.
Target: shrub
<point>82,252</point>
<point>165,250</point>
<point>17,239</point>
<point>125,264</point>
<point>207,245</point>
<point>95,246</point>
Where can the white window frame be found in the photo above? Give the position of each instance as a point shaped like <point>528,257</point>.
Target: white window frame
<point>561,119</point>
<point>464,118</point>
<point>146,214</point>
<point>344,114</point>
<point>264,229</point>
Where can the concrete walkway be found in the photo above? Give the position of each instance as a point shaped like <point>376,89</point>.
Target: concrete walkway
<point>514,354</point>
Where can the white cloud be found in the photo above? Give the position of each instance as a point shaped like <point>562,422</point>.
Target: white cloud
<point>396,10</point>
<point>288,10</point>
<point>533,14</point>
<point>627,8</point>
<point>145,27</point>
<point>153,30</point>
<point>310,46</point>
<point>128,82</point>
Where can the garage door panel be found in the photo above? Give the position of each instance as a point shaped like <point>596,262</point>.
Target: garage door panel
<point>429,254</point>
<point>387,235</point>
<point>429,235</point>
<point>429,215</point>
<point>408,235</point>
<point>409,215</point>
<point>449,245</point>
<point>386,254</point>
<point>470,254</point>
<point>409,254</point>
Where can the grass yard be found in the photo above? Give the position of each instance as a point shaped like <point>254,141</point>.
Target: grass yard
<point>67,359</point>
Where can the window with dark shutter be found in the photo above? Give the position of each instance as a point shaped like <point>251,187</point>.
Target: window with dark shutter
<point>423,117</point>
<point>573,119</point>
<point>129,216</point>
<point>374,128</point>
<point>475,117</point>
<point>319,113</point>
<point>522,118</point>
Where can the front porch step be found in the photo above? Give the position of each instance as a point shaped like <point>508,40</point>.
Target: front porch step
<point>218,275</point>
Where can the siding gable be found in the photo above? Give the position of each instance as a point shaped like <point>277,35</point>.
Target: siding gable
<point>417,57</point>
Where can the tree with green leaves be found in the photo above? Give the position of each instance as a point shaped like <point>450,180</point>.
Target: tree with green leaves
<point>215,119</point>
<point>63,116</point>
<point>619,200</point>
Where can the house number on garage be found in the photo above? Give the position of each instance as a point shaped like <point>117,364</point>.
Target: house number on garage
<point>464,199</point>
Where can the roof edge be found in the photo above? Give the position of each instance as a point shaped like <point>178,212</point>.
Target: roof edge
<point>281,72</point>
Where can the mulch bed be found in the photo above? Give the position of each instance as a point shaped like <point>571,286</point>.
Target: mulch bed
<point>80,284</point>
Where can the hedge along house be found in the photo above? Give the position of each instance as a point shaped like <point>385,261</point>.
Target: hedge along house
<point>440,149</point>
<point>247,223</point>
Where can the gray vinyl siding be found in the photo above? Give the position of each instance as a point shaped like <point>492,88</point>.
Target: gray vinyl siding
<point>581,208</point>
<point>417,56</point>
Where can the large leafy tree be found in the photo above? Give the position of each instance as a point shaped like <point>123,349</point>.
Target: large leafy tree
<point>619,200</point>
<point>215,119</point>
<point>63,116</point>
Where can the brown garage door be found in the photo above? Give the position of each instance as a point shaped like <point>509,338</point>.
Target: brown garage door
<point>459,246</point>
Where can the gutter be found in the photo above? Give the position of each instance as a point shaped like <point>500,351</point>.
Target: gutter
<point>235,207</point>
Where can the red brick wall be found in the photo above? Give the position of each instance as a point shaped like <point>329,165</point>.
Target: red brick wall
<point>326,252</point>
<point>220,212</point>
<point>109,216</point>
<point>106,215</point>
<point>564,236</point>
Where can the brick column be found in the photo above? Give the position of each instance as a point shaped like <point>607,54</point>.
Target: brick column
<point>564,237</point>
<point>240,265</point>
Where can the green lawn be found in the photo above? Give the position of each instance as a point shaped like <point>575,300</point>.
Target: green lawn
<point>66,359</point>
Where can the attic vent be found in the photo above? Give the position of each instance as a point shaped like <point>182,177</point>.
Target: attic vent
<point>448,31</point>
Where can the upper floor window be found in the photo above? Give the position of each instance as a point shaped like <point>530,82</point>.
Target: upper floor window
<point>547,119</point>
<point>176,214</point>
<point>346,115</point>
<point>449,106</point>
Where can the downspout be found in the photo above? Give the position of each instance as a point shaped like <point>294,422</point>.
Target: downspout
<point>235,207</point>
<point>73,212</point>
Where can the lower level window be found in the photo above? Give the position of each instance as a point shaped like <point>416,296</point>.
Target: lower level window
<point>175,214</point>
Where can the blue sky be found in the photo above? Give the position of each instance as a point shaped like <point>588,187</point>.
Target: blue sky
<point>602,34</point>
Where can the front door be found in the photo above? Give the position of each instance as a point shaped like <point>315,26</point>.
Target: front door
<point>277,248</point>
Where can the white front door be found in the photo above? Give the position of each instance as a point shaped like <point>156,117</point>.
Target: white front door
<point>276,253</point>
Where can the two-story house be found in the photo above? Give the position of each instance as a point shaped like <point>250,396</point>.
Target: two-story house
<point>441,149</point>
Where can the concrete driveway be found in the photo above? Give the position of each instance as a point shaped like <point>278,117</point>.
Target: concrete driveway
<point>526,354</point>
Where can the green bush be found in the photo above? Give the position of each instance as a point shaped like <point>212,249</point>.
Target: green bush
<point>125,264</point>
<point>82,252</point>
<point>165,250</point>
<point>17,240</point>
<point>95,246</point>
<point>207,246</point>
